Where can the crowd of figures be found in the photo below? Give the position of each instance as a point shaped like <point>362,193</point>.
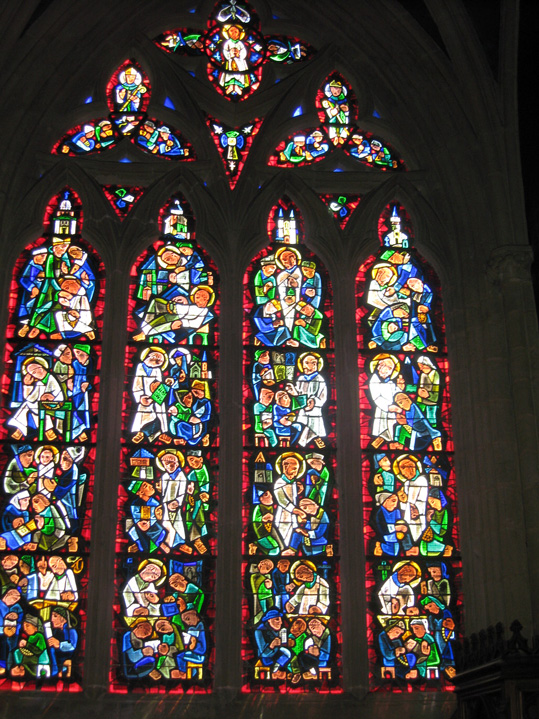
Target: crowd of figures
<point>52,362</point>
<point>291,394</point>
<point>288,291</point>
<point>44,490</point>
<point>410,534</point>
<point>415,603</point>
<point>171,398</point>
<point>128,95</point>
<point>289,490</point>
<point>337,108</point>
<point>168,502</point>
<point>39,601</point>
<point>165,535</point>
<point>53,392</point>
<point>289,499</point>
<point>291,613</point>
<point>162,604</point>
<point>413,505</point>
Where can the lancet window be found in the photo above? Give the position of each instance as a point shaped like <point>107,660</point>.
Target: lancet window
<point>49,422</point>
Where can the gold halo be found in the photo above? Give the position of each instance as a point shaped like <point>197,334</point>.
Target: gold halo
<point>411,457</point>
<point>161,252</point>
<point>384,265</point>
<point>285,455</point>
<point>416,566</point>
<point>313,354</point>
<point>208,289</point>
<point>37,360</point>
<point>384,355</point>
<point>295,566</point>
<point>160,564</point>
<point>175,452</point>
<point>55,452</point>
<point>280,251</point>
<point>153,348</point>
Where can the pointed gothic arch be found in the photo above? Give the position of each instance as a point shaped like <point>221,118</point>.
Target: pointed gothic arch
<point>441,107</point>
<point>49,430</point>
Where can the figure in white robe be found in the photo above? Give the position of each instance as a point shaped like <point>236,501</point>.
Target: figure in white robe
<point>149,392</point>
<point>39,385</point>
<point>384,383</point>
<point>173,489</point>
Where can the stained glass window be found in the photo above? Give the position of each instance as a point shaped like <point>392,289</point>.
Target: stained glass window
<point>336,105</point>
<point>291,577</point>
<point>166,537</point>
<point>341,206</point>
<point>410,522</point>
<point>50,392</point>
<point>128,96</point>
<point>233,145</point>
<point>235,49</point>
<point>123,198</point>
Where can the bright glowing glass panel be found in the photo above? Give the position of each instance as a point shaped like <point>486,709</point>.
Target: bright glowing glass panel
<point>336,105</point>
<point>291,575</point>
<point>166,537</point>
<point>50,388</point>
<point>128,97</point>
<point>410,509</point>
<point>235,49</point>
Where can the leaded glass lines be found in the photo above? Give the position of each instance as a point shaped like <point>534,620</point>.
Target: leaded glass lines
<point>411,537</point>
<point>166,539</point>
<point>290,508</point>
<point>53,356</point>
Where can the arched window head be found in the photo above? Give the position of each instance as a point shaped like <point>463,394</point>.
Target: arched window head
<point>291,575</point>
<point>166,543</point>
<point>49,422</point>
<point>410,508</point>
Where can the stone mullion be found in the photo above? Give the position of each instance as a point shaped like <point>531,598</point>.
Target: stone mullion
<point>105,506</point>
<point>228,621</point>
<point>349,483</point>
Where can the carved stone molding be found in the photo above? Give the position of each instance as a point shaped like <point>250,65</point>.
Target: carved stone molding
<point>510,263</point>
<point>495,674</point>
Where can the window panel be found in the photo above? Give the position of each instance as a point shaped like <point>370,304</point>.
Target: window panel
<point>410,509</point>
<point>166,536</point>
<point>290,499</point>
<point>49,420</point>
